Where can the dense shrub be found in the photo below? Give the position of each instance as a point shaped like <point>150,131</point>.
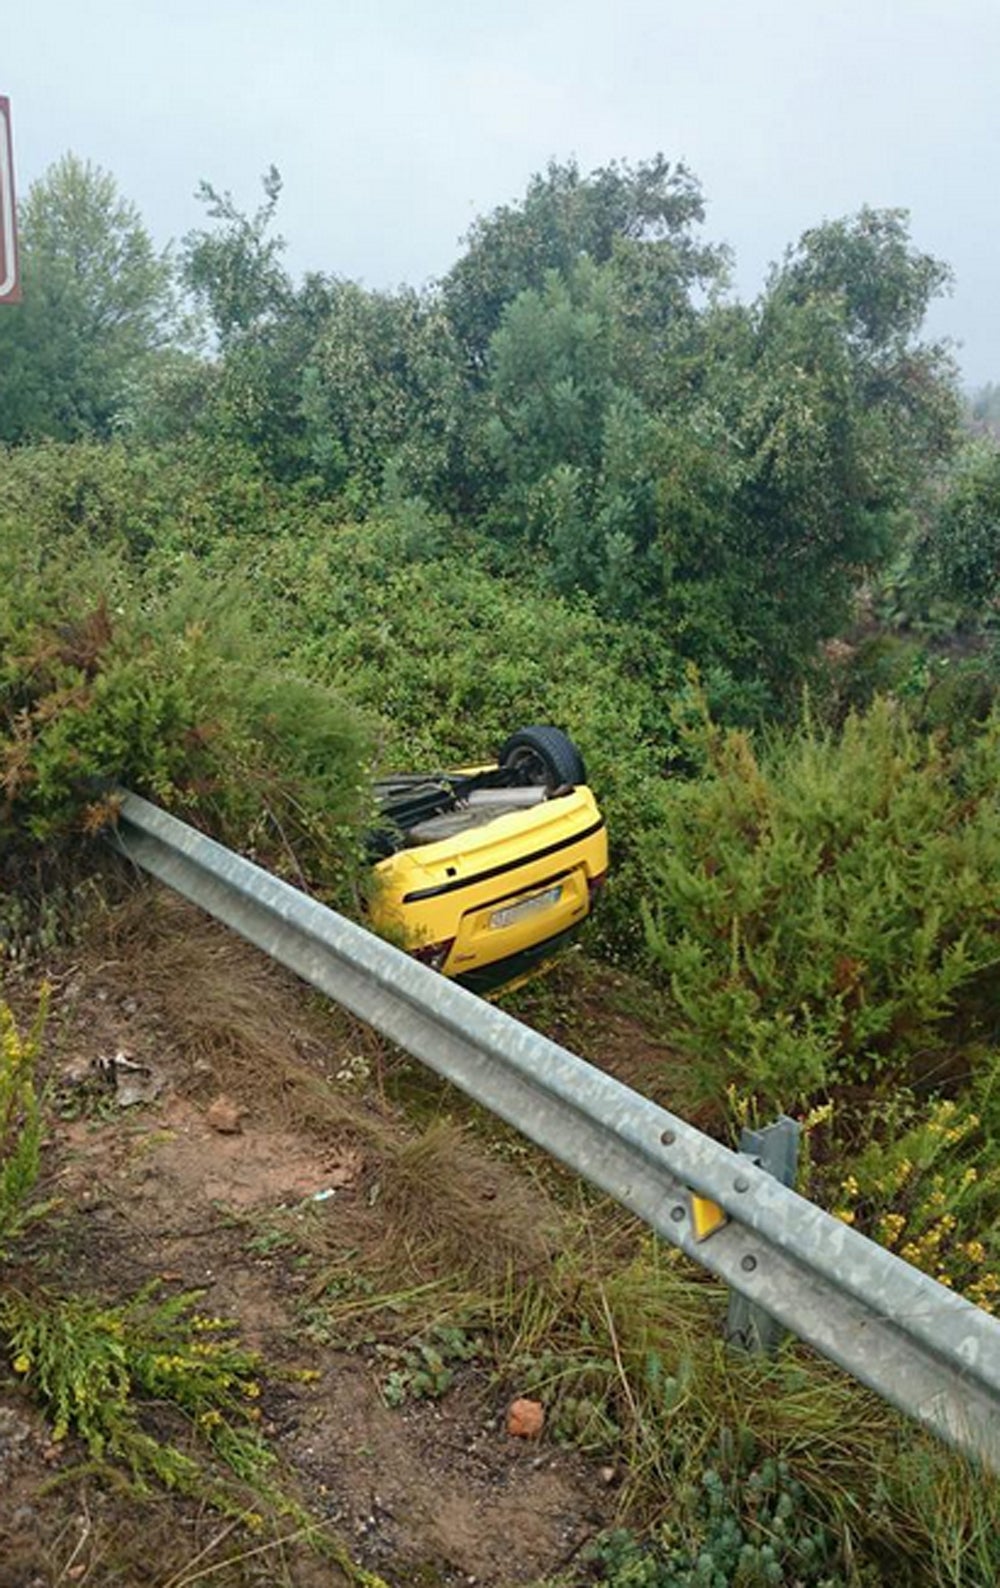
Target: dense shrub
<point>180,498</point>
<point>962,545</point>
<point>822,909</point>
<point>403,618</point>
<point>176,693</point>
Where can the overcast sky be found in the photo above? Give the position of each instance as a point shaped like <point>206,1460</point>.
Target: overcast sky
<point>394,124</point>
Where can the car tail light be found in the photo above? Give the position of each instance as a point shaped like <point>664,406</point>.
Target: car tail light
<point>595,884</point>
<point>434,954</point>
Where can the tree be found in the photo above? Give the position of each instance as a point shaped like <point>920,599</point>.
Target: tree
<point>723,474</point>
<point>867,261</point>
<point>565,215</point>
<point>249,390</point>
<point>829,419</point>
<point>961,549</point>
<point>97,302</point>
<point>234,270</point>
<point>383,391</point>
<point>984,410</point>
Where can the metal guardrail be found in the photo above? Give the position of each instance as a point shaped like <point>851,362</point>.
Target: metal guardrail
<point>931,1353</point>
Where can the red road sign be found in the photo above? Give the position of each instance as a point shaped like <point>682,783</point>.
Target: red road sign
<point>10,281</point>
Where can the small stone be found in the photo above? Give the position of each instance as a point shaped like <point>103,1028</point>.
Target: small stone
<point>224,1116</point>
<point>525,1419</point>
<point>607,1475</point>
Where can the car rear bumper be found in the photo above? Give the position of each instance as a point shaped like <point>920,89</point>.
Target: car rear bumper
<point>498,891</point>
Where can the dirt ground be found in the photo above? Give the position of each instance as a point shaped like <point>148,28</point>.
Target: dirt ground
<point>197,1094</point>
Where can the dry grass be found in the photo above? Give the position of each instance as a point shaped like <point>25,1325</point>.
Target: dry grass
<point>441,1204</point>
<point>446,1230</point>
<point>242,1024</point>
<point>105,1538</point>
<point>451,1209</point>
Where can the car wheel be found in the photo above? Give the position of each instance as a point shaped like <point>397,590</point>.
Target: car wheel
<point>543,757</point>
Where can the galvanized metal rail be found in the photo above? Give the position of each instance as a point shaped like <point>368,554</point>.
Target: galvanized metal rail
<point>929,1352</point>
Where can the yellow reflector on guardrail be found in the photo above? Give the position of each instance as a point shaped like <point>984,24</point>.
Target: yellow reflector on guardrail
<point>706,1217</point>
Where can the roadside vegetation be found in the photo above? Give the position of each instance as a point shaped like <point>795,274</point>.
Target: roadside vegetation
<point>271,537</point>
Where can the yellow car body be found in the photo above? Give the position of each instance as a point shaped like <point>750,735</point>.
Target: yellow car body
<point>486,892</point>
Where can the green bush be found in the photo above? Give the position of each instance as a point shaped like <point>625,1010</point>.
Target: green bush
<point>962,546</point>
<point>451,658</point>
<point>173,690</point>
<point>924,1180</point>
<point>824,908</point>
<point>128,497</point>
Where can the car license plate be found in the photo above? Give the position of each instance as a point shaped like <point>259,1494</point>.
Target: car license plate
<point>517,912</point>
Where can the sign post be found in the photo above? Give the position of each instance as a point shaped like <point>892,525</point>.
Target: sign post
<point>10,280</point>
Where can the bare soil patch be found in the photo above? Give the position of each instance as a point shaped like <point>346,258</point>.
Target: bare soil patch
<point>430,1492</point>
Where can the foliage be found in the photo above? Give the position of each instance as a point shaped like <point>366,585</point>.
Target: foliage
<point>175,692</point>
<point>382,394</point>
<point>123,498</point>
<point>983,409</point>
<point>868,262</point>
<point>745,1525</point>
<point>564,215</point>
<point>822,909</point>
<point>923,1181</point>
<point>93,1366</point>
<point>327,382</point>
<point>20,1126</point>
<point>572,443</point>
<point>425,1369</point>
<point>962,544</point>
<point>723,476</point>
<point>577,392</point>
<point>234,271</point>
<point>96,306</point>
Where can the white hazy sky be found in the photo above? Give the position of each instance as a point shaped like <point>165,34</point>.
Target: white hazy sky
<point>395,124</point>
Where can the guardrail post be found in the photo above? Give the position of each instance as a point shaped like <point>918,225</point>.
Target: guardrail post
<point>776,1149</point>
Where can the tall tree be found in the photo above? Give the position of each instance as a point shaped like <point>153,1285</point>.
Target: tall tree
<point>722,473</point>
<point>960,549</point>
<point>564,215</point>
<point>97,300</point>
<point>233,269</point>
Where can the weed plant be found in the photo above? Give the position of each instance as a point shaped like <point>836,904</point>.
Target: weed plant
<point>923,1180</point>
<point>825,912</point>
<point>20,1126</point>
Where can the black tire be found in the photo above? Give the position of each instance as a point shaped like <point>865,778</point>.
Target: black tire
<point>543,757</point>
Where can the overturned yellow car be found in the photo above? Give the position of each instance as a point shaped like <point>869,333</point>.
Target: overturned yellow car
<point>483,872</point>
